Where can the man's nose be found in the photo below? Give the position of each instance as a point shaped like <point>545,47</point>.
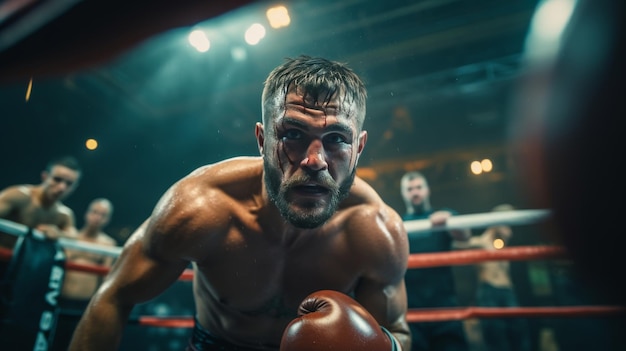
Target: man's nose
<point>314,158</point>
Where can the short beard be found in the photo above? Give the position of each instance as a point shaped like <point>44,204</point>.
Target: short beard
<point>315,217</point>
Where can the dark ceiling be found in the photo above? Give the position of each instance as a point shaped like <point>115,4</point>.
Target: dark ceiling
<point>438,73</point>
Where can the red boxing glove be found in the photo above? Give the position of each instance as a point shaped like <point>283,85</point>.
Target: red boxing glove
<point>329,320</point>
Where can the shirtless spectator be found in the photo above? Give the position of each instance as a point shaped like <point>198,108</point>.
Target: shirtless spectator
<point>82,285</point>
<point>79,287</point>
<point>495,289</point>
<point>40,206</point>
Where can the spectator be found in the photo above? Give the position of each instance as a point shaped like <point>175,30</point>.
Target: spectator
<point>39,206</point>
<point>431,287</point>
<point>78,287</point>
<point>495,289</point>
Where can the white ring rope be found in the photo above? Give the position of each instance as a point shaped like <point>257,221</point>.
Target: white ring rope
<point>479,220</point>
<point>20,230</point>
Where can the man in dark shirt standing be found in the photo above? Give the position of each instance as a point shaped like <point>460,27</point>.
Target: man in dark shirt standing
<point>431,287</point>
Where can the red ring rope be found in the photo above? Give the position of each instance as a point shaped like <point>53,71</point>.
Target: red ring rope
<point>5,255</point>
<point>441,314</point>
<point>422,260</point>
<point>436,314</point>
<point>463,257</point>
<point>165,322</point>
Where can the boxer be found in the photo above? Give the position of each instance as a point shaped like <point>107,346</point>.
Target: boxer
<point>263,233</point>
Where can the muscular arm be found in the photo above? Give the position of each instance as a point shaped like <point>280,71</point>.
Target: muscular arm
<point>10,199</point>
<point>382,291</point>
<point>139,274</point>
<point>68,224</point>
<point>64,228</point>
<point>14,206</point>
<point>440,218</point>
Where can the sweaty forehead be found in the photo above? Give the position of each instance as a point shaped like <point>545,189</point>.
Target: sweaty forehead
<point>59,170</point>
<point>99,208</point>
<point>417,182</point>
<point>327,102</point>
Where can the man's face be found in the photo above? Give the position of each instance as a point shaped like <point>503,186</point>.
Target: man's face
<point>97,215</point>
<point>60,182</point>
<point>415,191</point>
<point>310,157</point>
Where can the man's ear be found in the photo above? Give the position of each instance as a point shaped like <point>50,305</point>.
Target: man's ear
<point>44,175</point>
<point>259,131</point>
<point>362,141</point>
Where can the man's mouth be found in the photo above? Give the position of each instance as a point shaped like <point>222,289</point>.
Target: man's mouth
<point>310,189</point>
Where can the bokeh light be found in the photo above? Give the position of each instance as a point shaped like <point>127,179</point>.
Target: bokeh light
<point>91,144</point>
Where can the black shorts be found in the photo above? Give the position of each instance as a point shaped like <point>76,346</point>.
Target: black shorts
<point>202,340</point>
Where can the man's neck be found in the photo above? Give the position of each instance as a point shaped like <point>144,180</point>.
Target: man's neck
<point>89,232</point>
<point>44,201</point>
<point>421,209</point>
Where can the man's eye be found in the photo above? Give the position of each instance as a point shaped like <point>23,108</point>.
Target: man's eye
<point>334,139</point>
<point>292,134</point>
<point>59,180</point>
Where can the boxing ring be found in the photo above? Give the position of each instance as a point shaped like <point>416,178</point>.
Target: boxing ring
<point>415,261</point>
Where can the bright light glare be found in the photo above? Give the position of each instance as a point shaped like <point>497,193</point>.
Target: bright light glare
<point>476,168</point>
<point>278,17</point>
<point>486,165</point>
<point>29,89</point>
<point>548,23</point>
<point>552,17</point>
<point>91,144</point>
<point>498,243</point>
<point>199,40</point>
<point>254,34</point>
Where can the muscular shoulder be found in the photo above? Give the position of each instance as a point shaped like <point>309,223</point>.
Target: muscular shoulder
<point>366,206</point>
<point>377,229</point>
<point>105,239</point>
<point>379,223</point>
<point>17,194</point>
<point>204,203</point>
<point>218,184</point>
<point>65,211</point>
<point>14,200</point>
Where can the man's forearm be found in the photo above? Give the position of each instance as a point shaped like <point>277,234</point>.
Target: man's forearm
<point>70,233</point>
<point>100,328</point>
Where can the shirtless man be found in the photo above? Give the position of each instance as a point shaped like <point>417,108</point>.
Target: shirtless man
<point>40,206</point>
<point>79,287</point>
<point>82,285</point>
<point>495,289</point>
<point>290,250</point>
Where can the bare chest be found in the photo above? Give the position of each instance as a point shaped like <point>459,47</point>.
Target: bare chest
<point>256,277</point>
<point>81,256</point>
<point>33,215</point>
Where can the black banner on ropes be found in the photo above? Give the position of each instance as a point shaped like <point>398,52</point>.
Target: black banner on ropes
<point>29,292</point>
